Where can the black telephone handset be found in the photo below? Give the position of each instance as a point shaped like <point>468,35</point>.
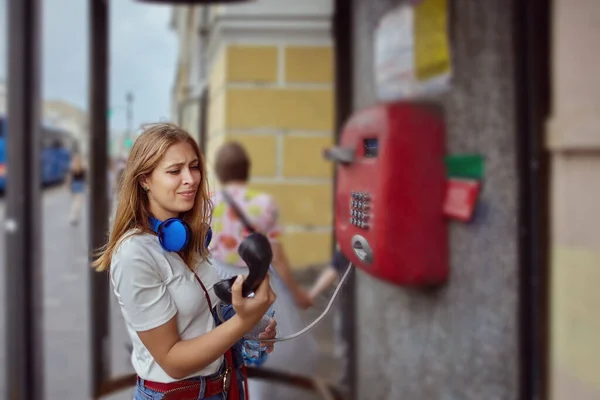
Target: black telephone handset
<point>256,252</point>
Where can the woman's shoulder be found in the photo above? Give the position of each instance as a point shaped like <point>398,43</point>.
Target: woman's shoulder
<point>135,254</point>
<point>135,242</point>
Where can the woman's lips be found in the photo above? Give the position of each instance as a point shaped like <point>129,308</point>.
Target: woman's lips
<point>188,194</point>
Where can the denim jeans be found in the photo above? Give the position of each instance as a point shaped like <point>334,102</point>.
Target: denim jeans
<point>77,186</point>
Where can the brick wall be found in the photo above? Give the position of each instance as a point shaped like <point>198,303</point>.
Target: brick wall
<point>278,100</point>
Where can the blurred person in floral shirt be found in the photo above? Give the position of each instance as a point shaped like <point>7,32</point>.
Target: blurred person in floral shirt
<point>232,167</point>
<point>259,212</point>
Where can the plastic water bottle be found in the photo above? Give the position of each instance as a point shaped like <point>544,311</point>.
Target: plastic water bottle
<point>253,353</point>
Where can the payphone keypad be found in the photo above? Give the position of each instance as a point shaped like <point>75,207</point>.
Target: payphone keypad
<point>359,209</point>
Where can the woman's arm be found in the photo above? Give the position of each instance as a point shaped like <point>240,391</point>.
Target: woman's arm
<point>269,225</point>
<point>282,267</point>
<point>181,358</point>
<point>326,279</point>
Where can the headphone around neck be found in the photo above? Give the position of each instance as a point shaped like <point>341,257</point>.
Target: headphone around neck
<point>174,233</point>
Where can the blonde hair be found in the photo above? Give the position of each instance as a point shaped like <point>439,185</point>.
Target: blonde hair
<point>133,210</point>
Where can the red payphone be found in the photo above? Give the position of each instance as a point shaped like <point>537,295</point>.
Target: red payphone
<point>390,193</point>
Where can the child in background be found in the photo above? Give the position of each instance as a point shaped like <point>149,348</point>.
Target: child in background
<point>330,275</point>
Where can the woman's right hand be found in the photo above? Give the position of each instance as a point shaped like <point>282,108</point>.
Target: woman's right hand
<point>251,310</point>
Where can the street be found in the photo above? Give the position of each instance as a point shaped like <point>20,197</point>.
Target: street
<point>66,307</point>
<point>66,316</point>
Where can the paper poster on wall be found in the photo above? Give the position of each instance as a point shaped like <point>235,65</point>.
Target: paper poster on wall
<point>412,55</point>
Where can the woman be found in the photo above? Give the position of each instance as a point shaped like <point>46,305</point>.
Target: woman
<point>238,210</point>
<point>180,350</point>
<point>76,184</point>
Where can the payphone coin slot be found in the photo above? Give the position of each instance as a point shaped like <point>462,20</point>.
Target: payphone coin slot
<point>361,249</point>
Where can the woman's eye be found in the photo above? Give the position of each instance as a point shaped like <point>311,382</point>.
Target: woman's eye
<point>195,167</point>
<point>173,172</point>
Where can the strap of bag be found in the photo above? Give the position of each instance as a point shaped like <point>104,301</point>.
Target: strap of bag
<point>233,393</point>
<point>234,389</point>
<point>240,214</point>
<point>238,211</point>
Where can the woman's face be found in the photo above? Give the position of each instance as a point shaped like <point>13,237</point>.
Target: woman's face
<point>173,185</point>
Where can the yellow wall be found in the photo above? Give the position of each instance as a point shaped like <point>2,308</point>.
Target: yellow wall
<point>279,102</point>
<point>574,143</point>
<point>575,297</point>
<point>575,323</point>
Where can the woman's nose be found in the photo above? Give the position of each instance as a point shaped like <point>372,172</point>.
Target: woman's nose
<point>188,176</point>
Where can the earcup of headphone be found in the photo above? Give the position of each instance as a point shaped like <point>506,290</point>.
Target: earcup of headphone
<point>173,234</point>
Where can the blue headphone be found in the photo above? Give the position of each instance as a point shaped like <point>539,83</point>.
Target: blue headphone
<point>174,234</point>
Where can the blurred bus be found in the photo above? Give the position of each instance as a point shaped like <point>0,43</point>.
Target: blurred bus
<point>55,154</point>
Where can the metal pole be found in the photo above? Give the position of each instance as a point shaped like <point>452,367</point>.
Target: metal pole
<point>98,228</point>
<point>24,323</point>
<point>532,35</point>
<point>343,33</point>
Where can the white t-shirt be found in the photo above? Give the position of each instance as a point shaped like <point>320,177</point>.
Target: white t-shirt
<point>153,285</point>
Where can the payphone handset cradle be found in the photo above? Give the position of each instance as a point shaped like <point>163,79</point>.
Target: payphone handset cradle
<point>390,193</point>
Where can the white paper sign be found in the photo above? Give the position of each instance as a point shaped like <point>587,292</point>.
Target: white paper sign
<point>410,43</point>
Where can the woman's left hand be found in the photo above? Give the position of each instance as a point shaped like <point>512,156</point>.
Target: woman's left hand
<point>269,333</point>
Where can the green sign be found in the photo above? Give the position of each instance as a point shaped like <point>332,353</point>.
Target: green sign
<point>465,166</point>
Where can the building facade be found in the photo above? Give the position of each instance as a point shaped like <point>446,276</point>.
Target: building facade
<point>71,119</point>
<point>190,80</point>
<point>62,115</point>
<point>573,142</point>
<point>266,69</point>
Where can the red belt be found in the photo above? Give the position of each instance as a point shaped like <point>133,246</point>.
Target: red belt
<point>190,389</point>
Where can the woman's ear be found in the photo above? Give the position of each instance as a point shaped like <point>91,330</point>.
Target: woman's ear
<point>144,183</point>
